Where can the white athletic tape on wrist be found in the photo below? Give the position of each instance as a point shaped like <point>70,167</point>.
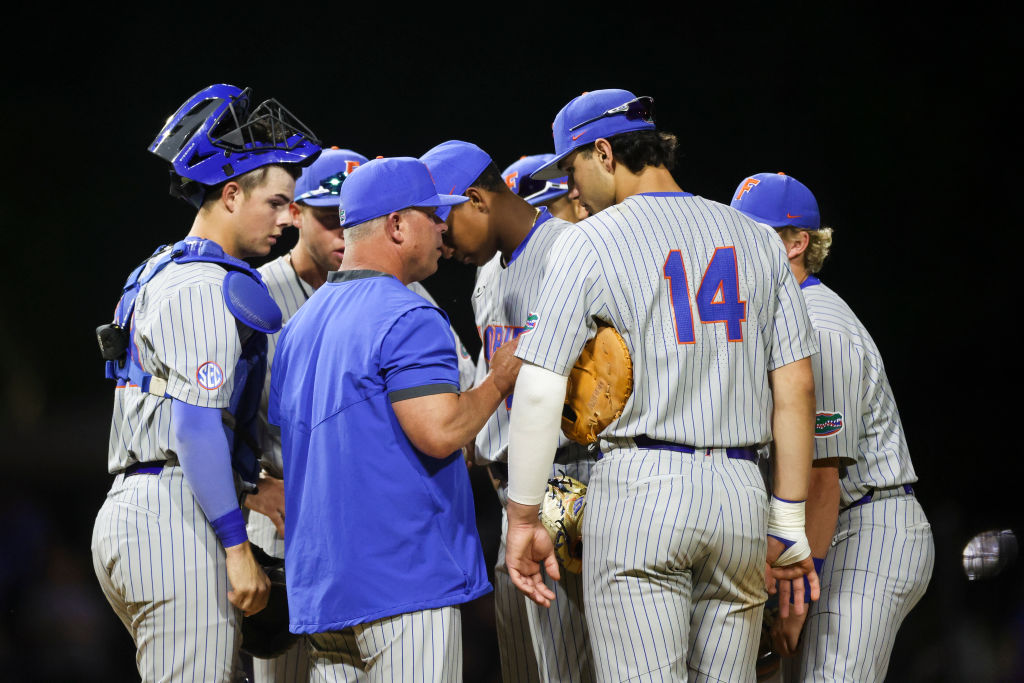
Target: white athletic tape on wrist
<point>786,523</point>
<point>536,422</point>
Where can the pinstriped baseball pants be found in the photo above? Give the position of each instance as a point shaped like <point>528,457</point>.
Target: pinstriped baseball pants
<point>415,647</point>
<point>673,566</point>
<point>549,644</point>
<point>876,571</point>
<point>164,572</point>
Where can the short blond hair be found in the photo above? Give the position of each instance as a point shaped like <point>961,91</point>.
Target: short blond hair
<point>817,248</point>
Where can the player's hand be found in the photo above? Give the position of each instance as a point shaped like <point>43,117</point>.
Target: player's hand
<point>250,587</point>
<point>469,454</point>
<point>269,501</point>
<point>786,633</point>
<point>505,367</point>
<point>788,580</point>
<point>528,548</point>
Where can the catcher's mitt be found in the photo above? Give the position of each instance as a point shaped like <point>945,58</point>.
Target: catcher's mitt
<point>265,634</point>
<point>599,386</point>
<point>561,512</point>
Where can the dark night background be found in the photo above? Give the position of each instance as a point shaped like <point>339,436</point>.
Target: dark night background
<point>902,124</point>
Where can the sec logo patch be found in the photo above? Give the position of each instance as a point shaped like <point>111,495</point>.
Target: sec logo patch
<point>210,376</point>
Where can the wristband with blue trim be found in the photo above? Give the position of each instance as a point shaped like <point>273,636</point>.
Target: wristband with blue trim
<point>230,528</point>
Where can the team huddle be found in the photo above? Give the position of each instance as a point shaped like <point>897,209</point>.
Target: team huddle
<point>323,409</point>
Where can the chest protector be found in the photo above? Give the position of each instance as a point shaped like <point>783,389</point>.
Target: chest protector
<point>248,300</point>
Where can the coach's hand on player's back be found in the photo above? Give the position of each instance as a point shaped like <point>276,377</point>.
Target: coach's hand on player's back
<point>505,367</point>
<point>788,580</point>
<point>250,587</point>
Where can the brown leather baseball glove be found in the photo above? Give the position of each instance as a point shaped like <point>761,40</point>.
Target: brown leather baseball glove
<point>599,386</point>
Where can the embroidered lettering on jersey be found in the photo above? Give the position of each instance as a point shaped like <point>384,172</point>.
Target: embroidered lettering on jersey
<point>210,376</point>
<point>496,335</point>
<point>827,424</point>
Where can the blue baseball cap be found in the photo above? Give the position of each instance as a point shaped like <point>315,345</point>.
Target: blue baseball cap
<point>454,166</point>
<point>778,200</point>
<point>320,182</point>
<point>536,192</point>
<point>381,186</point>
<point>593,115</point>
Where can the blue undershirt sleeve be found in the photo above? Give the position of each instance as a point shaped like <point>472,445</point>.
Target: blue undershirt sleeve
<point>202,448</point>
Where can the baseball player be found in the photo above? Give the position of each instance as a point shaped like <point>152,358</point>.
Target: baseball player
<point>677,515</point>
<point>187,350</point>
<point>381,534</point>
<point>510,241</point>
<point>552,194</point>
<point>875,563</point>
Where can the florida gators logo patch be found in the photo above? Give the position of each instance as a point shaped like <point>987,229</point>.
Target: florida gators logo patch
<point>210,376</point>
<point>531,322</point>
<point>827,424</point>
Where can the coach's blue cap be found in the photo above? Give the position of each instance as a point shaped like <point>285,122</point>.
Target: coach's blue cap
<point>320,182</point>
<point>455,165</point>
<point>536,192</point>
<point>593,115</point>
<point>381,186</point>
<point>778,200</point>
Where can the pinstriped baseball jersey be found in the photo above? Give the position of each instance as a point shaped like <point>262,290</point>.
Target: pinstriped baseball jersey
<point>857,419</point>
<point>502,302</point>
<point>705,301</point>
<point>186,335</point>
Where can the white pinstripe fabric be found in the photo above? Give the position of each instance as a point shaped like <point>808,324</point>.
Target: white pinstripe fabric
<point>710,393</point>
<point>181,322</point>
<point>882,555</point>
<point>164,572</point>
<point>537,643</point>
<point>674,543</point>
<point>414,647</point>
<point>850,378</point>
<point>674,566</point>
<point>876,571</point>
<point>157,559</point>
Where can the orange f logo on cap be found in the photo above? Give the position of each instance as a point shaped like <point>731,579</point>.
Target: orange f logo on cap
<point>747,186</point>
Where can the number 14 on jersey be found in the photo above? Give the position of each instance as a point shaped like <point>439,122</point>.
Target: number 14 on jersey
<point>718,298</point>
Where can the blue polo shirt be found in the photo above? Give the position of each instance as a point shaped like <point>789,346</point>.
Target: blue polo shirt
<point>373,527</point>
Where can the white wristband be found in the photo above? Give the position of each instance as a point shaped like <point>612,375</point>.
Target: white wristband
<point>786,523</point>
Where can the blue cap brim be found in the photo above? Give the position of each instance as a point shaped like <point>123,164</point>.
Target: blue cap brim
<point>327,200</point>
<point>548,196</point>
<point>550,170</point>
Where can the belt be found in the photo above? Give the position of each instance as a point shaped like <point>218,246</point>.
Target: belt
<point>144,468</point>
<point>744,453</point>
<point>879,494</point>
